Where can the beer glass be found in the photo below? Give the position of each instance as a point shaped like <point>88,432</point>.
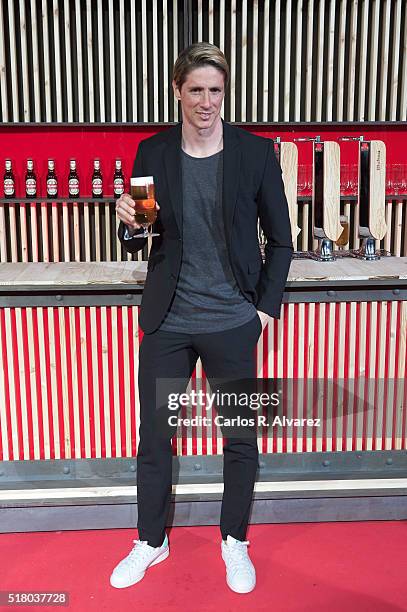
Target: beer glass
<point>344,237</point>
<point>142,192</point>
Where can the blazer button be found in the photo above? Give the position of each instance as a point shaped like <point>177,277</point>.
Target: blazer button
<point>179,239</point>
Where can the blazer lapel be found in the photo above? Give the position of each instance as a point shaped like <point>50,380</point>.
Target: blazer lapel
<point>231,171</point>
<point>172,161</point>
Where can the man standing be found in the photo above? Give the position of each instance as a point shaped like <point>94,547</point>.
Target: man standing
<point>207,292</point>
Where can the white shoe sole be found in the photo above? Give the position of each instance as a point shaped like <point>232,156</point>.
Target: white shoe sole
<point>162,557</point>
<point>239,590</point>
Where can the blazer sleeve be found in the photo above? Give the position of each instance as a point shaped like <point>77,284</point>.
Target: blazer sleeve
<point>131,244</point>
<point>275,223</point>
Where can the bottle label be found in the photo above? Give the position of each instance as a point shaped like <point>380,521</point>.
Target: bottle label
<point>97,186</point>
<point>8,187</point>
<point>31,187</point>
<point>73,186</point>
<point>52,187</point>
<point>118,186</point>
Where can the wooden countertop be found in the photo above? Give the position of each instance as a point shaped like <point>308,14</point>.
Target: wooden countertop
<point>26,276</point>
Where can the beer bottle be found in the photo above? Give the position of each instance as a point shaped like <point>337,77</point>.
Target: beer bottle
<point>73,180</point>
<point>97,184</point>
<point>9,183</point>
<point>30,180</point>
<point>118,180</point>
<point>52,183</point>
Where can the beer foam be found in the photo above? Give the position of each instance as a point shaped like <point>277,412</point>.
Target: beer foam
<point>141,180</point>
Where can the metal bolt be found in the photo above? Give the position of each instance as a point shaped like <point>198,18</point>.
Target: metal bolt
<point>197,466</point>
<point>67,470</point>
<point>132,468</point>
<point>326,462</point>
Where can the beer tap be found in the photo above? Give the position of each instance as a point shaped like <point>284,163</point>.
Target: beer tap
<point>326,226</point>
<point>371,197</point>
<point>287,156</point>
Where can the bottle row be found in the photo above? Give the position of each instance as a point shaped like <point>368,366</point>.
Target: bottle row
<point>52,181</point>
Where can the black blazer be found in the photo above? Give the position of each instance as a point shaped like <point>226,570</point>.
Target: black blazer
<point>252,189</point>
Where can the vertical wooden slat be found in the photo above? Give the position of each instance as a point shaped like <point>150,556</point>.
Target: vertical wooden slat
<point>79,57</point>
<point>107,232</point>
<point>144,116</point>
<point>276,67</point>
<point>101,60</point>
<point>351,69</point>
<point>398,228</point>
<point>155,63</point>
<point>24,62</point>
<point>3,72</point>
<point>112,61</point>
<point>222,25</point>
<point>298,62</point>
<point>232,88</point>
<point>341,60</point>
<point>374,45</point>
<point>287,61</point>
<point>23,235</point>
<point>395,53</point>
<point>123,80</point>
<point>22,383</point>
<point>35,405</point>
<point>4,430</point>
<point>34,231</point>
<point>87,231</point>
<point>68,55</point>
<point>3,235</point>
<point>266,41</point>
<point>55,232</point>
<point>126,379</point>
<point>89,44</point>
<point>12,377</point>
<point>244,59</point>
<point>384,60</point>
<point>13,61</point>
<point>76,232</point>
<point>57,54</point>
<point>363,60</point>
<point>175,46</point>
<point>320,65</point>
<point>331,54</point>
<point>65,230</point>
<point>165,61</point>
<point>308,70</point>
<point>211,18</point>
<point>97,232</point>
<point>36,72</point>
<point>96,382</point>
<point>13,231</point>
<point>200,19</point>
<point>45,234</point>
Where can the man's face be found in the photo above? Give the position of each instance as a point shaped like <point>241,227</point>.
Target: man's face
<point>201,96</point>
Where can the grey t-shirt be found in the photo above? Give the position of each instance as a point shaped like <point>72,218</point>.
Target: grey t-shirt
<point>207,297</point>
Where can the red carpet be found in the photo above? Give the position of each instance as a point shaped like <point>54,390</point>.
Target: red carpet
<point>303,567</point>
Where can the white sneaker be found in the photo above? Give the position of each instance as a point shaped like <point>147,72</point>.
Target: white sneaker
<point>240,572</point>
<point>133,567</point>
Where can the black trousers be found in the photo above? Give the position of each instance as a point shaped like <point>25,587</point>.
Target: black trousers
<point>168,355</point>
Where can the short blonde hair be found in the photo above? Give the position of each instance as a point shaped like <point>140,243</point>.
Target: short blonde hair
<point>198,55</point>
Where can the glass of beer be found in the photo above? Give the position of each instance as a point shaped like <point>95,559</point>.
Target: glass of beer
<point>142,192</point>
<point>344,237</point>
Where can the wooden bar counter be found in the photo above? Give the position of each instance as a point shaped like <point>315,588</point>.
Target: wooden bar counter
<point>69,340</point>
